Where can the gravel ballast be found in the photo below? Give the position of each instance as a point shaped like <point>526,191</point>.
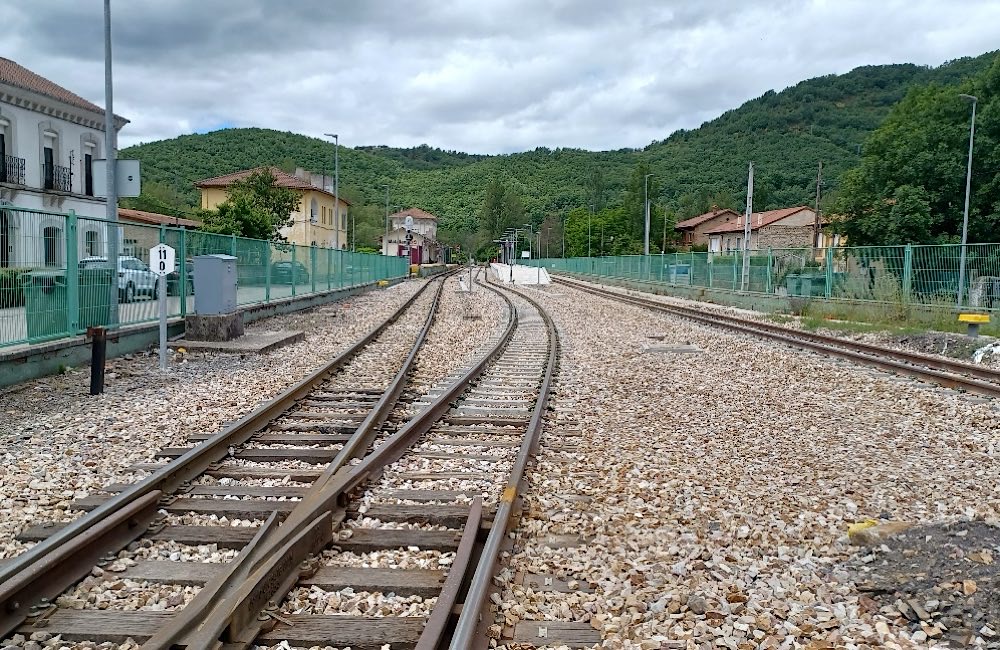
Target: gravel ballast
<point>59,443</point>
<point>712,492</point>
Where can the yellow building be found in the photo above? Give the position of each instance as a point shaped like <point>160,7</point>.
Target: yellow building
<point>313,219</point>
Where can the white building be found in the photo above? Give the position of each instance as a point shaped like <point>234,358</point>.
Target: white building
<point>49,139</point>
<point>424,246</point>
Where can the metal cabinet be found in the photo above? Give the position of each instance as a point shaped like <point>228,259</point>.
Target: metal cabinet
<point>216,280</point>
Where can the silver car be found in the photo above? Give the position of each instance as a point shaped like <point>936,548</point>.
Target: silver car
<point>134,277</point>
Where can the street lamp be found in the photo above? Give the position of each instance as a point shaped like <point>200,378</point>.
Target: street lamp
<point>336,188</point>
<point>968,185</point>
<point>645,206</point>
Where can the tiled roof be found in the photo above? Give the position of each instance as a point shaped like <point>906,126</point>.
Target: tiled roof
<point>702,218</point>
<point>282,179</point>
<point>416,213</point>
<point>757,220</point>
<point>141,216</point>
<point>17,75</point>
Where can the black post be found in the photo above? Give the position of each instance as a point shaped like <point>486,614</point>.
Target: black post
<point>98,355</point>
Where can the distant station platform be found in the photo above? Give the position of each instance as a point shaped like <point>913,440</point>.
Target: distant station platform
<point>521,274</point>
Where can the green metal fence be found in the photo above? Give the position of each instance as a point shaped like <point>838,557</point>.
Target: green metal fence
<point>55,278</point>
<point>926,275</point>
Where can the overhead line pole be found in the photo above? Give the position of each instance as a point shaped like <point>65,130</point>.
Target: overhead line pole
<point>745,281</point>
<point>111,156</point>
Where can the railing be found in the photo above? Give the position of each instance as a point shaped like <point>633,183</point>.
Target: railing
<point>896,275</point>
<point>12,170</point>
<point>49,289</point>
<point>57,178</point>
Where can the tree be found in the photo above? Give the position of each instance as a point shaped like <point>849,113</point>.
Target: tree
<point>910,185</point>
<point>255,207</point>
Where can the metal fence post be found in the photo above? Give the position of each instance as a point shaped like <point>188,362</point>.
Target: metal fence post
<point>73,275</point>
<point>182,264</point>
<point>769,286</point>
<point>312,263</point>
<point>907,273</point>
<point>267,272</point>
<point>293,279</point>
<point>829,271</point>
<point>233,248</point>
<point>329,269</point>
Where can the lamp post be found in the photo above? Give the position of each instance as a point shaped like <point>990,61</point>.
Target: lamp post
<point>336,188</point>
<point>588,228</point>
<point>386,242</point>
<point>968,186</point>
<point>565,217</point>
<point>645,207</point>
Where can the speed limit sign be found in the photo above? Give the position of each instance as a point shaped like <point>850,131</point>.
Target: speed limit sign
<point>162,259</point>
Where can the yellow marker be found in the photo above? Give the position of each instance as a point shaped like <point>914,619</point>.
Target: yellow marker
<point>509,494</point>
<point>974,318</point>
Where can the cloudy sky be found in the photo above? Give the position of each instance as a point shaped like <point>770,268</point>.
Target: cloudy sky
<point>483,76</point>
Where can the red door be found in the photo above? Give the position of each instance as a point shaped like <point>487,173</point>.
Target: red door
<point>415,254</point>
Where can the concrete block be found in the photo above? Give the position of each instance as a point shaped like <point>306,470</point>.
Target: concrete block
<point>213,327</point>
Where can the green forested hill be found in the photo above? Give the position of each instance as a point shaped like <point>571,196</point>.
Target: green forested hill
<point>785,133</point>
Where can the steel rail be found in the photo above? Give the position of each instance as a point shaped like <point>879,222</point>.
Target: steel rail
<point>47,569</point>
<point>209,613</point>
<point>941,371</point>
<point>504,520</point>
<point>234,614</point>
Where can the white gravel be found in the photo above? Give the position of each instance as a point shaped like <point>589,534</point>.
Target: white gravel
<point>713,491</point>
<point>59,443</point>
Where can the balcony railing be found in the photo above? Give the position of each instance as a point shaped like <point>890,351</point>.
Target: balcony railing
<point>12,170</point>
<point>57,178</point>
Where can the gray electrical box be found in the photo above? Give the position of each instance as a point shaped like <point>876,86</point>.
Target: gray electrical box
<point>215,283</point>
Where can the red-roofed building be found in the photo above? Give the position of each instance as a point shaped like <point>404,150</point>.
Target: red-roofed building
<point>314,222</point>
<point>784,228</point>
<point>693,230</point>
<point>49,139</point>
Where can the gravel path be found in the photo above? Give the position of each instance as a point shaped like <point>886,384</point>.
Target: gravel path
<point>58,443</point>
<point>715,489</point>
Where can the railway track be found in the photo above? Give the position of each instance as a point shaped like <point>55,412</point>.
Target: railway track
<point>342,496</point>
<point>945,372</point>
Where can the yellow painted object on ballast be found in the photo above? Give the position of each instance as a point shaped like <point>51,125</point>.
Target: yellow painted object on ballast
<point>383,283</point>
<point>973,321</point>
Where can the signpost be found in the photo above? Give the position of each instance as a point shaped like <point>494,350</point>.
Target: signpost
<point>162,259</point>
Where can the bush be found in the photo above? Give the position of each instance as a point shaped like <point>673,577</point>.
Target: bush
<point>10,287</point>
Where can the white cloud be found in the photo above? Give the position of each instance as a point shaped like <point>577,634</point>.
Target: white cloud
<point>491,76</point>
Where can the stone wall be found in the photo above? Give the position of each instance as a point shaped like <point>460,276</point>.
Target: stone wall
<point>776,236</point>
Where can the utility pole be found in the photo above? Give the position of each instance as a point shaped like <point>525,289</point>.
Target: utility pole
<point>565,216</point>
<point>386,243</point>
<point>111,156</point>
<point>745,283</point>
<point>816,220</point>
<point>645,205</point>
<point>589,219</point>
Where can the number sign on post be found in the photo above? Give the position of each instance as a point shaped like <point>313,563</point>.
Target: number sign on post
<point>162,259</point>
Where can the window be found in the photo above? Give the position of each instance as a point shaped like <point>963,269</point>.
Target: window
<point>88,174</point>
<point>90,243</point>
<point>50,244</point>
<point>50,169</point>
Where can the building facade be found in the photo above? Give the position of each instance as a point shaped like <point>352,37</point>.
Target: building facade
<point>49,140</point>
<point>694,231</point>
<point>784,228</point>
<point>313,221</point>
<point>423,246</point>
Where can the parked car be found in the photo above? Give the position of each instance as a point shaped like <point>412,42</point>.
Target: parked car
<point>174,280</point>
<point>134,277</point>
<point>281,273</point>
